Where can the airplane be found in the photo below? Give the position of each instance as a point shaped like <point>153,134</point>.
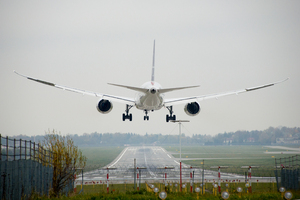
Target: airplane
<point>150,96</point>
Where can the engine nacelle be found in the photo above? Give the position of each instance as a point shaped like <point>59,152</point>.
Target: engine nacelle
<point>104,106</point>
<point>192,109</point>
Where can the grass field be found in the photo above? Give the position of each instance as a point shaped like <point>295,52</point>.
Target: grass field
<point>123,188</point>
<point>228,155</point>
<point>125,191</point>
<point>98,157</point>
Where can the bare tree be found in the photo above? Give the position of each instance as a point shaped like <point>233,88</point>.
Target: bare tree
<point>66,159</point>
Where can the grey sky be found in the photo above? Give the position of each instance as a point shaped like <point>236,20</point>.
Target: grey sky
<point>221,45</point>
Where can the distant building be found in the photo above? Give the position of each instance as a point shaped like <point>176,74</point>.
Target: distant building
<point>228,140</point>
<point>251,139</point>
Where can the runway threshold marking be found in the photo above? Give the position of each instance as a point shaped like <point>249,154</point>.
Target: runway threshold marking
<point>118,158</point>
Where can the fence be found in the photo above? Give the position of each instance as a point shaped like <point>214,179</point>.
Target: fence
<point>26,167</point>
<point>287,172</point>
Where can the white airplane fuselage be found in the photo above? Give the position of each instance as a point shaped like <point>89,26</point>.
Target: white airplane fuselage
<point>152,99</point>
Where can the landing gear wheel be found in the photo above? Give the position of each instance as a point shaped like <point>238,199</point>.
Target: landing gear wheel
<point>171,117</point>
<point>146,117</point>
<point>127,115</point>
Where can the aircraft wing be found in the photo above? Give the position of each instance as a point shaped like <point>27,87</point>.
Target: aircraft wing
<point>84,92</point>
<point>217,95</point>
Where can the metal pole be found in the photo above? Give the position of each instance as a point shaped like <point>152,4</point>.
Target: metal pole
<point>138,185</point>
<point>134,171</point>
<point>180,121</point>
<point>219,181</point>
<point>180,156</point>
<point>107,188</point>
<point>140,175</point>
<point>203,177</point>
<point>165,180</point>
<point>82,179</point>
<point>191,180</point>
<point>249,175</point>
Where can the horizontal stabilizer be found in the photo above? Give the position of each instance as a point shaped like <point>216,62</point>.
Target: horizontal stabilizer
<point>130,87</point>
<point>177,88</point>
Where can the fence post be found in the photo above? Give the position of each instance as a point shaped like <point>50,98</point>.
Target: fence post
<point>0,148</point>
<point>20,149</point>
<point>25,148</point>
<point>30,149</point>
<point>6,148</point>
<point>14,149</point>
<point>38,152</point>
<point>34,151</point>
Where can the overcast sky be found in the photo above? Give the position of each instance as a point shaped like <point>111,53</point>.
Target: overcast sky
<point>220,45</point>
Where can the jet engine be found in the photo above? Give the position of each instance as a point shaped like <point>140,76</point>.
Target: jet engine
<point>192,109</point>
<point>104,106</point>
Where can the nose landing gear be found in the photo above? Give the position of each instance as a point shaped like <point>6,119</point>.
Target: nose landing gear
<point>146,117</point>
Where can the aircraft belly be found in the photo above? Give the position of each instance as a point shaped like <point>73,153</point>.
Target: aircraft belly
<point>149,103</point>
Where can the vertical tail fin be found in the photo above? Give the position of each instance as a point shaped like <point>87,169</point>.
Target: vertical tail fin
<point>153,62</point>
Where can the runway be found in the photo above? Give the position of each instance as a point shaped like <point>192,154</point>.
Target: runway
<point>153,163</point>
<point>146,156</point>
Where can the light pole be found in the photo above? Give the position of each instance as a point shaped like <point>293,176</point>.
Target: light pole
<point>179,122</point>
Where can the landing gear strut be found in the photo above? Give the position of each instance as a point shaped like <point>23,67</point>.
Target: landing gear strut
<point>146,117</point>
<point>127,115</point>
<point>171,117</point>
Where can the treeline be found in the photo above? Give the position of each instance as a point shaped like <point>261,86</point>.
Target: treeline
<point>265,137</point>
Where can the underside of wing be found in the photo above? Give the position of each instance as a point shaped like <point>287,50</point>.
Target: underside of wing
<point>84,92</point>
<point>217,95</point>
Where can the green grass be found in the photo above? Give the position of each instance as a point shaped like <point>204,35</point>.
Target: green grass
<point>235,155</point>
<point>98,157</point>
<point>263,191</point>
<point>125,188</point>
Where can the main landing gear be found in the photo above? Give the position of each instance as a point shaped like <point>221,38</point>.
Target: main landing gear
<point>146,117</point>
<point>127,115</point>
<point>171,117</point>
